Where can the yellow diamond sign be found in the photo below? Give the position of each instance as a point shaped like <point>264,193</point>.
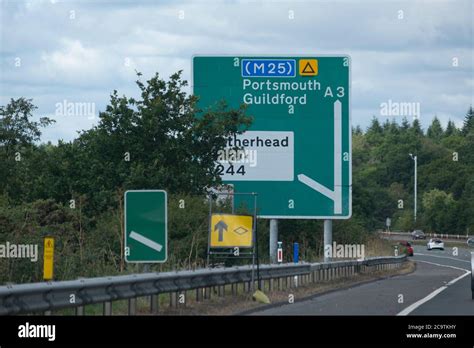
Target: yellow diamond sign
<point>228,231</point>
<point>308,67</point>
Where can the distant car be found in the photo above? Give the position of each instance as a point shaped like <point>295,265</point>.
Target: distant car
<point>418,234</point>
<point>470,242</point>
<point>435,244</point>
<point>406,248</point>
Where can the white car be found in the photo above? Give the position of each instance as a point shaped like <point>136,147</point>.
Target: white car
<point>435,244</point>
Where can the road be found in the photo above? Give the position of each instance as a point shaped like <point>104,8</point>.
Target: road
<point>440,285</point>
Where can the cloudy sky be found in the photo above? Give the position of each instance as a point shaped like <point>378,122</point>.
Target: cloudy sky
<point>80,51</point>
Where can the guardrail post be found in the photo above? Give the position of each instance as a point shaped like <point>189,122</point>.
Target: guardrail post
<point>221,290</point>
<point>80,310</point>
<point>184,295</point>
<point>132,306</point>
<point>173,299</point>
<point>280,284</point>
<point>270,284</point>
<point>154,303</point>
<point>199,292</point>
<point>233,289</point>
<point>107,309</point>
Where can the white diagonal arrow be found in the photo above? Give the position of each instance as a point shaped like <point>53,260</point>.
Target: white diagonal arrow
<point>144,240</point>
<point>336,194</point>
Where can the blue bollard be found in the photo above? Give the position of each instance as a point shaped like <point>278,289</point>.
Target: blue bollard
<point>295,252</point>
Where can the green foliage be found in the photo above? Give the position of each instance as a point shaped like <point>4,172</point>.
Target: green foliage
<point>435,131</point>
<point>74,190</point>
<point>468,126</point>
<point>438,211</point>
<point>16,126</point>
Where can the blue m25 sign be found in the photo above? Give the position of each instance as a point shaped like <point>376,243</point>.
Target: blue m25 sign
<point>268,67</point>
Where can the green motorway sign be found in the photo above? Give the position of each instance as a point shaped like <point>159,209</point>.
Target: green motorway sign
<point>146,226</point>
<point>297,154</point>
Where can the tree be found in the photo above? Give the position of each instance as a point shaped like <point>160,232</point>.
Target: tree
<point>468,125</point>
<point>416,128</point>
<point>357,130</point>
<point>435,131</point>
<point>438,211</point>
<point>451,129</point>
<point>374,132</point>
<point>17,136</point>
<point>16,126</point>
<point>160,140</point>
<point>405,124</point>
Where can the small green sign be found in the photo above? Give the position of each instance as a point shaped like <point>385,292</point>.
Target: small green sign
<point>146,226</point>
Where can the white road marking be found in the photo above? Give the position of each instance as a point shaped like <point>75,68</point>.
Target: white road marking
<point>144,240</point>
<point>417,304</point>
<point>444,257</point>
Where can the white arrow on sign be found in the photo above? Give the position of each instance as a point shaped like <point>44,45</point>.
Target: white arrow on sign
<point>144,240</point>
<point>336,194</point>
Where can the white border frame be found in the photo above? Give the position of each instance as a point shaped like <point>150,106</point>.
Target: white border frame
<point>125,225</point>
<point>277,56</point>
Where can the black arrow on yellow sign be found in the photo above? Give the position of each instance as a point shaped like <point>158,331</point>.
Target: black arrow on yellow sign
<point>220,226</point>
<point>308,69</point>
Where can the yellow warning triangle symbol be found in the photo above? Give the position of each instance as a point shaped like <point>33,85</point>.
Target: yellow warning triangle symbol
<point>308,69</point>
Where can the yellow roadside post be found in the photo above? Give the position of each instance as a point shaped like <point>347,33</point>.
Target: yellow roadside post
<point>48,258</point>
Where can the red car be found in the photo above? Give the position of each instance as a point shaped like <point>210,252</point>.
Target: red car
<point>407,248</point>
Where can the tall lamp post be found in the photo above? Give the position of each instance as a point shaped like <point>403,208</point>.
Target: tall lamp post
<point>414,158</point>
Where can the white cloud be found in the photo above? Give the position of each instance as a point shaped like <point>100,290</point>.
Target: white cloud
<point>85,58</point>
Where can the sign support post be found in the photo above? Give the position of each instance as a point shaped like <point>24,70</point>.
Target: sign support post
<point>273,240</point>
<point>327,239</point>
